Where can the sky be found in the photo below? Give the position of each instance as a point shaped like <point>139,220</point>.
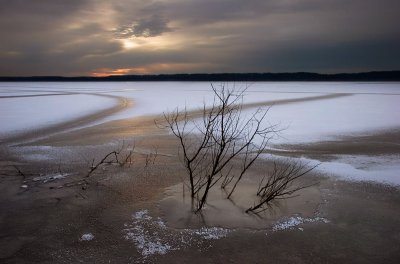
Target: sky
<point>100,38</point>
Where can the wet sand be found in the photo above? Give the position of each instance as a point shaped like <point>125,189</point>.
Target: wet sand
<point>45,221</point>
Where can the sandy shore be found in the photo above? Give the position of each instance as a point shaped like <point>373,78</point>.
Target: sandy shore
<point>126,210</point>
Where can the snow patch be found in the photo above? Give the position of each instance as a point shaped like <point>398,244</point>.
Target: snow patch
<point>161,223</point>
<point>51,177</point>
<point>143,214</point>
<point>152,237</point>
<point>87,237</point>
<point>212,232</point>
<point>148,242</point>
<point>295,221</point>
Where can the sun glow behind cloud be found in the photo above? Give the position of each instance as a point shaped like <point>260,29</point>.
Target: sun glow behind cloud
<point>129,44</point>
<point>153,43</point>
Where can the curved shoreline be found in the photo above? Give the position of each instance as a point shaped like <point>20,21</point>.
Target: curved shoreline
<point>60,134</point>
<point>145,124</point>
<point>33,95</point>
<point>36,134</point>
<point>296,100</point>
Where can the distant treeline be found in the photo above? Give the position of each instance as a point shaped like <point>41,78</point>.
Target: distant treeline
<point>221,77</point>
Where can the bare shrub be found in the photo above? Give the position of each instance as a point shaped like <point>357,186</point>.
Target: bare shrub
<point>279,184</point>
<point>223,133</point>
<point>123,156</point>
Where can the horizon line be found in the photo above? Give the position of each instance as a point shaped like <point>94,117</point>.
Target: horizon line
<point>252,76</point>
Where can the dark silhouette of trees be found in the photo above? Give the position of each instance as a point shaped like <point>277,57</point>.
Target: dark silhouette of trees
<point>222,77</point>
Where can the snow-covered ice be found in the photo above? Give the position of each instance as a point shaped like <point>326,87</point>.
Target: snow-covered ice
<point>372,107</point>
<point>326,119</point>
<point>381,169</point>
<point>18,114</point>
<point>368,108</point>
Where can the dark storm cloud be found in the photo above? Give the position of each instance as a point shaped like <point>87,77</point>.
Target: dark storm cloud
<point>73,37</point>
<point>334,57</point>
<point>42,7</point>
<point>212,11</point>
<point>145,27</point>
<point>50,37</point>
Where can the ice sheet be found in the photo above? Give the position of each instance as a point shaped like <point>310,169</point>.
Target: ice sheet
<point>326,119</point>
<point>19,114</point>
<point>374,106</point>
<point>380,169</point>
<point>370,107</point>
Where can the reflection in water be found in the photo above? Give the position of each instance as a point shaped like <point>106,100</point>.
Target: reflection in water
<point>177,207</point>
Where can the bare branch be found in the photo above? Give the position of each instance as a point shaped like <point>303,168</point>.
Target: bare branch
<point>279,184</point>
<point>223,134</point>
